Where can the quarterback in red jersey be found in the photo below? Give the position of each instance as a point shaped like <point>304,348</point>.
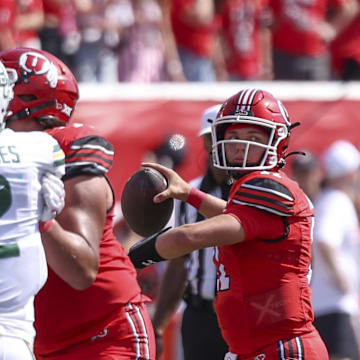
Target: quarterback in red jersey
<point>262,235</point>
<point>91,306</point>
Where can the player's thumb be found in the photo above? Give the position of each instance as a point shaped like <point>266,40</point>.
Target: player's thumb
<point>158,198</point>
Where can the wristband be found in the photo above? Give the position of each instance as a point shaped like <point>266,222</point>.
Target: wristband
<point>196,198</point>
<point>45,226</point>
<point>144,253</point>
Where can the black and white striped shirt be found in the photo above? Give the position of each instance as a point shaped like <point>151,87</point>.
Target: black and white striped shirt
<point>200,265</point>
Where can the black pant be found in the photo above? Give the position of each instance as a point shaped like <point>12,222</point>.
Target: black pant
<point>338,334</point>
<point>351,70</point>
<point>201,335</point>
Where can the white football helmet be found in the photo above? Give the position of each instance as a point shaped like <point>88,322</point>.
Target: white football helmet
<point>6,94</point>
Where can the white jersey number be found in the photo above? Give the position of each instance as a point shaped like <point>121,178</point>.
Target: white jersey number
<point>5,195</point>
<point>223,279</point>
<point>7,250</point>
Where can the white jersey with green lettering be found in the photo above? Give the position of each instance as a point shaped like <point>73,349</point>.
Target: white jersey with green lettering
<point>24,159</point>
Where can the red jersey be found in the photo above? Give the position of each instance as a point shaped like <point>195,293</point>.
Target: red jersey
<point>295,26</point>
<point>65,316</point>
<point>242,21</point>
<point>263,287</point>
<point>196,38</point>
<point>346,45</point>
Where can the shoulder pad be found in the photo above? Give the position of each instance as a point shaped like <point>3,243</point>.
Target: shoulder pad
<point>266,194</point>
<point>85,151</point>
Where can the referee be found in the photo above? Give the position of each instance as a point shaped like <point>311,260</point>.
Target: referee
<point>193,278</point>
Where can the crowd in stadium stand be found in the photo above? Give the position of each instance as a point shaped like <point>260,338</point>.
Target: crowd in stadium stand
<point>196,40</point>
<point>147,41</point>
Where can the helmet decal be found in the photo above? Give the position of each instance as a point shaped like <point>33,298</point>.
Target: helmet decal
<point>34,63</point>
<point>67,110</point>
<point>245,101</point>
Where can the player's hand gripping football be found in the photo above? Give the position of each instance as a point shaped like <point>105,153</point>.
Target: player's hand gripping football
<point>53,192</point>
<point>177,188</point>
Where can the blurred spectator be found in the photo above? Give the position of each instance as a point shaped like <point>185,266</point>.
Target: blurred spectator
<point>301,34</point>
<point>195,28</point>
<point>173,67</point>
<point>7,19</point>
<point>142,53</point>
<point>307,172</point>
<point>59,34</point>
<point>345,51</point>
<point>246,39</point>
<point>28,21</point>
<point>336,253</point>
<point>100,23</point>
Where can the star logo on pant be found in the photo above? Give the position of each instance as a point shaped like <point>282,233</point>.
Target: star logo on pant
<point>266,309</point>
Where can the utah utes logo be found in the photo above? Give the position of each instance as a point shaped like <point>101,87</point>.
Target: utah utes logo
<point>34,63</point>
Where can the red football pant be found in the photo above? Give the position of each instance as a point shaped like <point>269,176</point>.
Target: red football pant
<point>129,337</point>
<point>305,347</point>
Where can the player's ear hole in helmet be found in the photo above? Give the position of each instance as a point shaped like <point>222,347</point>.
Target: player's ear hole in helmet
<point>45,88</point>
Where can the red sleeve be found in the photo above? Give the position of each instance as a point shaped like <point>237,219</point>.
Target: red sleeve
<point>86,153</point>
<point>256,223</point>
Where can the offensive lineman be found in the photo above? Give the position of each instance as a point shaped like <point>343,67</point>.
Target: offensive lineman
<point>27,161</point>
<point>262,235</point>
<point>91,306</point>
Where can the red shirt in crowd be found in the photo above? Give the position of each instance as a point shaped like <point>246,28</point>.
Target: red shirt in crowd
<point>242,22</point>
<point>196,38</point>
<point>7,19</point>
<point>28,37</point>
<point>346,45</point>
<point>296,26</point>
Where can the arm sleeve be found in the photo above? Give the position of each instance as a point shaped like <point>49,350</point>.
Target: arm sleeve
<point>257,224</point>
<point>90,155</point>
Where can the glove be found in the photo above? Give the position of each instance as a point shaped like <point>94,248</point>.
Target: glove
<point>53,192</point>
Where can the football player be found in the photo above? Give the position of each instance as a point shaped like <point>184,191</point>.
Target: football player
<point>262,235</point>
<point>108,317</point>
<point>31,166</point>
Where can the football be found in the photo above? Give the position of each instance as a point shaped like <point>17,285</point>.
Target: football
<point>140,212</point>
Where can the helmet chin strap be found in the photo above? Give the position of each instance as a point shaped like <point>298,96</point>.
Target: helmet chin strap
<point>283,160</point>
<point>27,112</point>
